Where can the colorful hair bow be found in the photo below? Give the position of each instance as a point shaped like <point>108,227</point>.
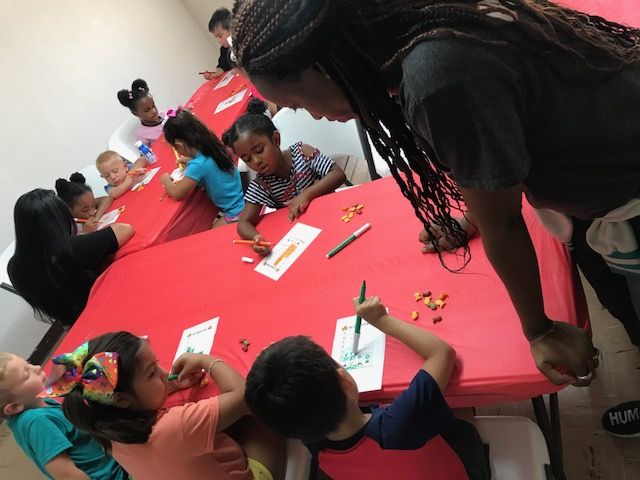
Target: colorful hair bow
<point>98,377</point>
<point>171,113</point>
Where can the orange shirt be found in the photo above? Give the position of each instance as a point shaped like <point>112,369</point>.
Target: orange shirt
<point>184,444</point>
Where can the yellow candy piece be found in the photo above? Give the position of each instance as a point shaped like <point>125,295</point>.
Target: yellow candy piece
<point>415,316</point>
<point>427,300</point>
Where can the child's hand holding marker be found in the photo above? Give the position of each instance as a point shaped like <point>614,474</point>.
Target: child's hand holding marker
<point>91,225</point>
<point>137,172</point>
<point>372,310</point>
<point>260,246</point>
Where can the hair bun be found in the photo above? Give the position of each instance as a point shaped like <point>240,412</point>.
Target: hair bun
<point>140,85</point>
<point>124,98</point>
<point>77,177</point>
<point>62,186</point>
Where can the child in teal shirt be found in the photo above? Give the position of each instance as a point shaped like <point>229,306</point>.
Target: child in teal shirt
<point>59,449</point>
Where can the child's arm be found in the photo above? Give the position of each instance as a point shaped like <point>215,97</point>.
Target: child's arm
<point>141,162</point>
<point>102,205</point>
<point>180,189</point>
<point>439,356</point>
<point>249,218</point>
<point>218,72</point>
<point>119,190</point>
<point>327,184</point>
<point>230,382</point>
<point>61,467</point>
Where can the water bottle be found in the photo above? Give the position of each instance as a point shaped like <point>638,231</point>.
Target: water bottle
<point>146,152</point>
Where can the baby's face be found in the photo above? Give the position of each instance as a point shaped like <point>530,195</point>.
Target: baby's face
<point>114,171</point>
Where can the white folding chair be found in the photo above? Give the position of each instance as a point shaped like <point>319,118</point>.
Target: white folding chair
<point>516,446</point>
<point>94,180</point>
<point>123,138</point>
<point>298,461</point>
<point>5,282</point>
<point>331,138</point>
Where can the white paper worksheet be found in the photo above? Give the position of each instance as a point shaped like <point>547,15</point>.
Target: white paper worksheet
<point>178,174</point>
<point>287,250</point>
<point>230,101</point>
<point>146,179</point>
<point>109,218</point>
<point>198,339</point>
<point>367,364</point>
<point>225,80</point>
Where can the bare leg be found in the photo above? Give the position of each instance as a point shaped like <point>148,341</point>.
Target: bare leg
<point>261,444</point>
<point>218,222</point>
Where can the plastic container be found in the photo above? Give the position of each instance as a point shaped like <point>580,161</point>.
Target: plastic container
<point>146,152</point>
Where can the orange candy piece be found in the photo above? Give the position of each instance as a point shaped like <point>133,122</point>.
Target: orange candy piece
<point>415,316</point>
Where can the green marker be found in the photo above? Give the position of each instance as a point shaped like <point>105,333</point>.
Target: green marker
<point>356,335</point>
<point>351,238</point>
<point>172,377</point>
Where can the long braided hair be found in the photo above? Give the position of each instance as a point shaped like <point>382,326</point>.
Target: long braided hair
<point>278,39</point>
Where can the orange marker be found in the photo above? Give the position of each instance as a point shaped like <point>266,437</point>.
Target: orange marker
<point>251,242</point>
<point>290,249</point>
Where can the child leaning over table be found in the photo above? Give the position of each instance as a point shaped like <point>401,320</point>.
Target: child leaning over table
<point>297,389</point>
<point>291,177</point>
<point>119,173</point>
<point>60,450</point>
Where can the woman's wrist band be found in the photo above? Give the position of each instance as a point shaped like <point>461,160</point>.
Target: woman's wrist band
<point>549,329</point>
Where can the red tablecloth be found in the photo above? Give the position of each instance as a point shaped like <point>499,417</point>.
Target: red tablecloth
<point>182,283</point>
<point>622,11</point>
<point>157,221</point>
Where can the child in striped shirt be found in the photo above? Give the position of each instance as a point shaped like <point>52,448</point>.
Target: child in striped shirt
<point>292,177</point>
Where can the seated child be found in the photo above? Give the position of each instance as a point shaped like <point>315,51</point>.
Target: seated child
<point>209,164</point>
<point>140,102</point>
<point>59,449</point>
<point>220,28</point>
<point>126,414</point>
<point>82,204</point>
<point>296,388</point>
<point>291,177</point>
<point>119,173</point>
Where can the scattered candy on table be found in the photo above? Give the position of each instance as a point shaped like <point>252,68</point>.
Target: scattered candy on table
<point>437,319</point>
<point>245,344</point>
<point>426,298</point>
<point>351,212</point>
<point>247,259</point>
<point>415,315</point>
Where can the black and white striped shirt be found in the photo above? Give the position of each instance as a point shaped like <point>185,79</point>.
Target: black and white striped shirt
<point>274,191</point>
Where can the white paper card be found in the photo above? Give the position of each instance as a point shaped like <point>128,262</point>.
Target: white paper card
<point>287,250</point>
<point>109,218</point>
<point>146,179</point>
<point>230,101</point>
<point>365,366</point>
<point>225,80</point>
<point>198,339</point>
<point>178,174</point>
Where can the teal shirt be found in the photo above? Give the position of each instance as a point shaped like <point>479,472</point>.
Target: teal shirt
<point>224,189</point>
<point>44,433</point>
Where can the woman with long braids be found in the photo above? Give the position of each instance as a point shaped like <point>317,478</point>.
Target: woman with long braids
<point>475,101</point>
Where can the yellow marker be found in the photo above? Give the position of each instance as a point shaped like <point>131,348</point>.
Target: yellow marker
<point>290,249</point>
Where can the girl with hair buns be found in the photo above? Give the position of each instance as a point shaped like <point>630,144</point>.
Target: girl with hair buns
<point>474,101</point>
<point>85,208</point>
<point>141,103</point>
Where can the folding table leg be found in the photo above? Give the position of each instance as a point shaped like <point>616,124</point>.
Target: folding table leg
<point>551,431</point>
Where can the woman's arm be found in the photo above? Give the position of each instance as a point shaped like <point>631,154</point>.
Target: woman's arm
<point>509,248</point>
<point>123,232</point>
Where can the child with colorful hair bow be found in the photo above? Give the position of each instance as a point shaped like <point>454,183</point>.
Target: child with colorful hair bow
<point>115,389</point>
<point>59,449</point>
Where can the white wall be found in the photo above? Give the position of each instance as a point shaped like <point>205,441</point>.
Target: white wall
<point>62,64</point>
<point>201,11</point>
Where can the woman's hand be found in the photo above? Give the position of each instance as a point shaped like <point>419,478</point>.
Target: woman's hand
<point>565,354</point>
<point>443,243</point>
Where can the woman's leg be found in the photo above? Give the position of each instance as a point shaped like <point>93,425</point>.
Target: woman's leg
<point>611,289</point>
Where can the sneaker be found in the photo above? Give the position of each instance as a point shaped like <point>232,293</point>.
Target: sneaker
<point>623,420</point>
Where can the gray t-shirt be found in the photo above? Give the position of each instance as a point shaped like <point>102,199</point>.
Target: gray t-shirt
<point>497,117</point>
